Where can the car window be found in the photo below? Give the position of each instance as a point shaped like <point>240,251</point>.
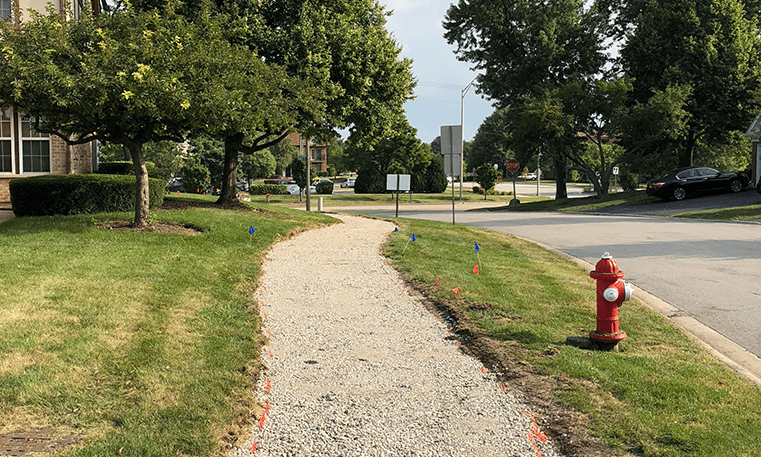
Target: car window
<point>708,172</point>
<point>686,174</point>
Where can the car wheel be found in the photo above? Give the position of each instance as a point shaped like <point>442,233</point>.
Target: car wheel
<point>678,193</point>
<point>735,185</point>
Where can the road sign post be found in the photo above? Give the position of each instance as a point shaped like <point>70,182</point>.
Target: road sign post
<point>396,182</point>
<point>513,166</point>
<point>451,149</point>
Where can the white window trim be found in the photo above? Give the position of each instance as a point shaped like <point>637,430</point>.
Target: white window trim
<point>21,150</point>
<point>13,144</point>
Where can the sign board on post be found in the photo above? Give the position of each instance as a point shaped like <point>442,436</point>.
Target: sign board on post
<point>403,181</point>
<point>615,170</point>
<point>513,166</point>
<point>451,149</point>
<point>398,183</point>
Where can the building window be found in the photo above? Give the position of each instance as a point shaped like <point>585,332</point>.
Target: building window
<point>35,148</point>
<point>6,140</point>
<point>6,6</point>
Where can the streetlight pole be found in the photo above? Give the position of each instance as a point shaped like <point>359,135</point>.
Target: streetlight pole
<point>462,132</point>
<point>538,172</point>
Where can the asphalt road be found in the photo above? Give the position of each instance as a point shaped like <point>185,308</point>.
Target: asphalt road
<point>708,270</point>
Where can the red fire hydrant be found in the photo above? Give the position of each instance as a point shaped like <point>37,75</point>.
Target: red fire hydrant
<point>611,293</point>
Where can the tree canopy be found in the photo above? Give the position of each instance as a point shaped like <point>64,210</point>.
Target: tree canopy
<point>708,46</point>
<point>131,78</point>
<point>687,76</point>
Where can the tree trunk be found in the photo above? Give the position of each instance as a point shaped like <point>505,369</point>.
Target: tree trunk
<point>561,191</point>
<point>230,173</point>
<point>141,184</point>
<point>687,154</point>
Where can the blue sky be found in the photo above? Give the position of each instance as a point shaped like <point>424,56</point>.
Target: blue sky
<point>416,26</point>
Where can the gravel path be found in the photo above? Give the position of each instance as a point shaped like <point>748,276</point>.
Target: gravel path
<point>355,366</point>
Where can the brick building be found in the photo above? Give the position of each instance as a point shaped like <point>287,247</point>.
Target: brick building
<point>318,151</point>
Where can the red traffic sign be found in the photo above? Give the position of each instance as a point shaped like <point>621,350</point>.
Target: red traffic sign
<point>513,165</point>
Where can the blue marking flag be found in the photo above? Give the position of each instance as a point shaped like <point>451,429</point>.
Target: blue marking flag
<point>251,231</point>
<point>412,237</point>
<point>396,229</point>
<point>476,248</point>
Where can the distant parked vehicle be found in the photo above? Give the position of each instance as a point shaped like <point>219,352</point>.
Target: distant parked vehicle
<point>293,189</point>
<point>348,183</point>
<point>685,182</point>
<point>530,176</point>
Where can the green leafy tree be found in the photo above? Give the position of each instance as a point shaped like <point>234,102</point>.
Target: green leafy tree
<point>299,171</point>
<point>260,164</point>
<point>284,153</point>
<point>343,70</point>
<point>435,176</point>
<point>337,156</point>
<point>486,177</point>
<point>130,78</point>
<point>196,177</point>
<point>709,47</point>
<point>492,142</point>
<point>529,50</point>
<point>401,152</point>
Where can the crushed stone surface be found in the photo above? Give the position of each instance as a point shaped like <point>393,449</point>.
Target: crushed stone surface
<point>355,366</point>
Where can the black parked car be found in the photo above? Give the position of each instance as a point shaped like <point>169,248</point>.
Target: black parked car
<point>684,182</point>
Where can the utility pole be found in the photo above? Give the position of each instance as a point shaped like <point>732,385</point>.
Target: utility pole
<point>462,132</point>
<point>309,177</point>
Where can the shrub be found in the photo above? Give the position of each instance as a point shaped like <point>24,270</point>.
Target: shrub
<point>117,168</point>
<point>324,188</point>
<point>264,189</point>
<point>369,182</point>
<point>76,194</point>
<point>436,177</point>
<point>628,181</point>
<point>477,190</point>
<point>125,167</point>
<point>196,177</point>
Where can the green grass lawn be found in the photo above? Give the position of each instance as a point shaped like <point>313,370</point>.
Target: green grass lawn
<point>146,343</point>
<point>352,199</point>
<point>745,213</point>
<point>143,343</point>
<point>661,395</point>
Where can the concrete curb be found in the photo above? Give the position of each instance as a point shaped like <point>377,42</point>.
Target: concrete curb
<point>723,349</point>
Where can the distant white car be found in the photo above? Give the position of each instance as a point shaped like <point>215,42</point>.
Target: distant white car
<point>293,189</point>
<point>349,182</point>
<point>530,176</point>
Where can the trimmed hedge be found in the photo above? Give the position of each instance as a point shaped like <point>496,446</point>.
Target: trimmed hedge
<point>125,167</point>
<point>324,188</point>
<point>264,189</point>
<point>76,194</point>
<point>116,168</point>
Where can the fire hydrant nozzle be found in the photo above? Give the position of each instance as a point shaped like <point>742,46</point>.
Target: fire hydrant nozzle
<point>611,293</point>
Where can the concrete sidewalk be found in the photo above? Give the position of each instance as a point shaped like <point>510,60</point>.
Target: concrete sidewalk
<point>5,214</point>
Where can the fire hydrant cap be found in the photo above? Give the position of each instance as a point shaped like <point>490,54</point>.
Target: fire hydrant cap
<point>606,265</point>
<point>610,294</point>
